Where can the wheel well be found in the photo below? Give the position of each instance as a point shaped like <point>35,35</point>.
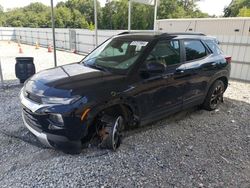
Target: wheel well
<point>224,80</point>
<point>122,109</point>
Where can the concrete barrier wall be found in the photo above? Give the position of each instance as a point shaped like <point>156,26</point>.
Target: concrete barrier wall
<point>7,33</point>
<point>233,34</point>
<point>84,41</point>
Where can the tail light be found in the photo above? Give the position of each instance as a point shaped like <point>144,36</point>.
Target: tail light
<point>228,59</point>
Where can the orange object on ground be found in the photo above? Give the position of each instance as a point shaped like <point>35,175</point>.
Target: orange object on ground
<point>20,50</point>
<point>37,45</point>
<point>49,48</point>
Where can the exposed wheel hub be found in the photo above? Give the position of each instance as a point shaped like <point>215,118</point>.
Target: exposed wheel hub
<point>111,132</point>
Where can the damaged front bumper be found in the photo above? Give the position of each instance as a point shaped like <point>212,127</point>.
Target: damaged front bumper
<point>66,138</point>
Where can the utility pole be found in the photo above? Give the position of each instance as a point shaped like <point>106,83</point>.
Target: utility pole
<point>96,26</point>
<point>53,31</point>
<point>1,74</point>
<point>155,15</point>
<point>129,15</point>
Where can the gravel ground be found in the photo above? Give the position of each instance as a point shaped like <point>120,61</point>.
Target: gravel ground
<point>194,148</point>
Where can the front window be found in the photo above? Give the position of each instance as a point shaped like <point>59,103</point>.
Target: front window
<point>166,53</point>
<point>116,54</point>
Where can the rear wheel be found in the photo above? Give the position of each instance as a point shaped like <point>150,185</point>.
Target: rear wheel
<point>111,131</point>
<point>22,81</point>
<point>214,95</point>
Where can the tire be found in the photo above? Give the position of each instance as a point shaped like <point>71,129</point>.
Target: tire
<point>112,132</point>
<point>214,96</point>
<point>22,81</point>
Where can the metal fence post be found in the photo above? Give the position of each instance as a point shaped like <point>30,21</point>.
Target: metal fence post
<point>1,74</point>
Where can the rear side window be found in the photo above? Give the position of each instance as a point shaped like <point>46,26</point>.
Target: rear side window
<point>212,44</point>
<point>194,49</point>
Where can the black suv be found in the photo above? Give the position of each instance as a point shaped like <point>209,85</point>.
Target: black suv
<point>131,79</point>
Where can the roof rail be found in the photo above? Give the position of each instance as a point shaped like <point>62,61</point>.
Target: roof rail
<point>185,33</point>
<point>163,33</point>
<point>134,32</point>
<point>124,33</point>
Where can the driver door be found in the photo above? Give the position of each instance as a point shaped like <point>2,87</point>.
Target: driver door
<point>165,89</point>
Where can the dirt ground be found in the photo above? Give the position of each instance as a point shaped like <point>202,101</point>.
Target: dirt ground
<point>193,148</point>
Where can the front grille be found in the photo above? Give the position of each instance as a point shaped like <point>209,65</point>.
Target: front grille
<point>33,97</point>
<point>36,121</point>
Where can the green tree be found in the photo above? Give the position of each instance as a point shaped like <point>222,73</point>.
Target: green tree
<point>235,6</point>
<point>78,21</point>
<point>1,16</point>
<point>115,16</point>
<point>15,18</point>
<point>1,9</point>
<point>63,17</point>
<point>244,12</point>
<point>179,9</point>
<point>142,16</point>
<point>86,8</point>
<point>38,8</point>
<point>33,15</point>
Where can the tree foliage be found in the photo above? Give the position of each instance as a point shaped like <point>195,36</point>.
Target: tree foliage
<point>244,12</point>
<point>237,8</point>
<point>114,15</point>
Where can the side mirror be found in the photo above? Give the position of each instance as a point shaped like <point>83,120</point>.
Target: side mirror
<point>155,67</point>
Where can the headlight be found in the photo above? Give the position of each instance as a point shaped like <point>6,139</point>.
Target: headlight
<point>57,100</point>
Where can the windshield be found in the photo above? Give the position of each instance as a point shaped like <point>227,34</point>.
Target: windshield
<point>116,54</point>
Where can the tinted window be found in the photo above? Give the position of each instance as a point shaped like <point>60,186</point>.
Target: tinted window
<point>166,52</point>
<point>212,44</point>
<point>194,50</point>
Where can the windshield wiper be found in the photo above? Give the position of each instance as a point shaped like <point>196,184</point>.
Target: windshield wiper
<point>95,66</point>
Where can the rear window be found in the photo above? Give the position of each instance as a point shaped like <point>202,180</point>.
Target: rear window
<point>213,45</point>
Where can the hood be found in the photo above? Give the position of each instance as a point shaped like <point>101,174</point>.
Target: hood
<point>63,73</point>
<point>72,79</point>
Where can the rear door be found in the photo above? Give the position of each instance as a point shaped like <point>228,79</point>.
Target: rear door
<point>197,76</point>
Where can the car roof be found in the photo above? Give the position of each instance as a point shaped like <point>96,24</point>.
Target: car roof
<point>150,35</point>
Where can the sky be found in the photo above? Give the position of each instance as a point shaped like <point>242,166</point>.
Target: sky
<point>212,7</point>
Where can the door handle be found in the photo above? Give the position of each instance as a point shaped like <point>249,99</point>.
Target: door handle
<point>166,76</point>
<point>178,72</point>
<point>214,65</point>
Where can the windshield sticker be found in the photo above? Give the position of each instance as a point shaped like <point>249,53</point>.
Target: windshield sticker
<point>138,43</point>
